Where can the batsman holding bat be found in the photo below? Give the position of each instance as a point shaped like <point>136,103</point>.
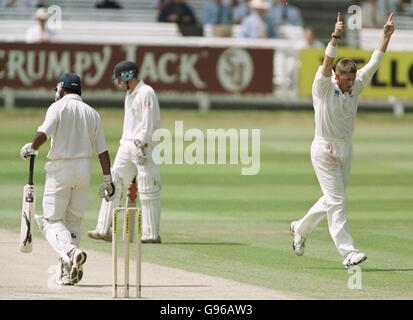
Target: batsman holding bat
<point>76,133</point>
<point>134,156</point>
<point>335,97</point>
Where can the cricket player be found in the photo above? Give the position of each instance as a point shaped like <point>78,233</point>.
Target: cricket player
<point>76,132</point>
<point>134,156</point>
<point>335,97</point>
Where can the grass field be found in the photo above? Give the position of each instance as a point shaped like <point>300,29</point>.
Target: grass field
<point>218,222</point>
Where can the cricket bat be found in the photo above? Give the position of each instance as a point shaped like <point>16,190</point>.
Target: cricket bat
<point>28,211</point>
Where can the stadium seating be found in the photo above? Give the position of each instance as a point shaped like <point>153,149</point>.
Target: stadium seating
<point>316,13</point>
<point>93,31</point>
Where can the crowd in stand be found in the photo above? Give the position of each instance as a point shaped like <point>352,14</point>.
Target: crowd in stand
<point>262,18</point>
<point>255,19</point>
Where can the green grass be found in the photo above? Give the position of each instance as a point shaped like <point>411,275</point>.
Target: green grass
<point>218,222</point>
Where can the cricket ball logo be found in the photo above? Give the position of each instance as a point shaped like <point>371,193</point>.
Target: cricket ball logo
<point>235,69</point>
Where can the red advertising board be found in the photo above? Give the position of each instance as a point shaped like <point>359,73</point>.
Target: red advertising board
<point>182,69</point>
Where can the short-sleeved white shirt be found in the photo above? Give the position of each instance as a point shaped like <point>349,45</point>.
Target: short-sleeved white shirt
<point>75,129</point>
<point>36,34</point>
<point>142,114</point>
<point>335,111</point>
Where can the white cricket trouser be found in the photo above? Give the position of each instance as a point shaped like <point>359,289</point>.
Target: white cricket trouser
<point>331,160</point>
<point>124,169</point>
<point>65,197</point>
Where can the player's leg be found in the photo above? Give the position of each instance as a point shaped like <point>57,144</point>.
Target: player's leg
<point>302,228</point>
<point>306,225</point>
<point>123,171</point>
<point>149,186</point>
<point>353,257</point>
<point>56,197</point>
<point>75,213</point>
<point>330,174</point>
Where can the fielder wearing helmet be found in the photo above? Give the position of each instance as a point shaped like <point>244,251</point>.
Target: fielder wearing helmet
<point>124,72</point>
<point>134,156</point>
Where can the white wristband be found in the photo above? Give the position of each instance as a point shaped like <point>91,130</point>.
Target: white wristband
<point>331,51</point>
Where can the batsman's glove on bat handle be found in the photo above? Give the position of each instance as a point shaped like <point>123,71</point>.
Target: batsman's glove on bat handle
<point>140,154</point>
<point>107,189</point>
<point>27,150</point>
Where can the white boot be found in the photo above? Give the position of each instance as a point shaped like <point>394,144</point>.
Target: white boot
<point>354,258</point>
<point>298,241</point>
<point>78,258</point>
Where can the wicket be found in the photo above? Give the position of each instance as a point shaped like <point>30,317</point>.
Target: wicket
<point>127,222</point>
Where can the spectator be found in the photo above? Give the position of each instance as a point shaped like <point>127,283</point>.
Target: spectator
<point>7,3</point>
<point>108,4</point>
<point>39,33</point>
<point>375,12</point>
<point>177,11</point>
<point>216,12</point>
<point>159,4</point>
<point>240,11</point>
<point>310,40</point>
<point>255,25</point>
<point>32,3</point>
<point>372,14</point>
<point>284,13</point>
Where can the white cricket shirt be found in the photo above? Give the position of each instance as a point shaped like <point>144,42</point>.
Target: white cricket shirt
<point>36,34</point>
<point>75,129</point>
<point>142,114</point>
<point>335,111</point>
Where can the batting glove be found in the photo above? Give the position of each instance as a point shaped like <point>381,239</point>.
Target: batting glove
<point>107,188</point>
<point>140,154</point>
<point>27,150</point>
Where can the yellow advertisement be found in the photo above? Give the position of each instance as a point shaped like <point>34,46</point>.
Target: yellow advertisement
<point>394,77</point>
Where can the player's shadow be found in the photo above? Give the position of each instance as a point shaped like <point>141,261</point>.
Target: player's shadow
<point>363,269</point>
<point>146,286</point>
<point>207,243</point>
<point>386,270</point>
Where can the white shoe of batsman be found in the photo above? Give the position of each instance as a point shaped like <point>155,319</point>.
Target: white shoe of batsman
<point>78,258</point>
<point>354,258</point>
<point>298,241</point>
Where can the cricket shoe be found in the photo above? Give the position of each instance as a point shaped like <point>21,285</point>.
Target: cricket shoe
<point>78,258</point>
<point>63,273</point>
<point>97,236</point>
<point>151,240</point>
<point>298,241</point>
<point>354,258</point>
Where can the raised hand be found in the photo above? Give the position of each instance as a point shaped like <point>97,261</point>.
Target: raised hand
<point>339,27</point>
<point>388,28</point>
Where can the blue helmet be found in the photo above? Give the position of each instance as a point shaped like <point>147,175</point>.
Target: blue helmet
<point>69,81</point>
<point>125,70</point>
